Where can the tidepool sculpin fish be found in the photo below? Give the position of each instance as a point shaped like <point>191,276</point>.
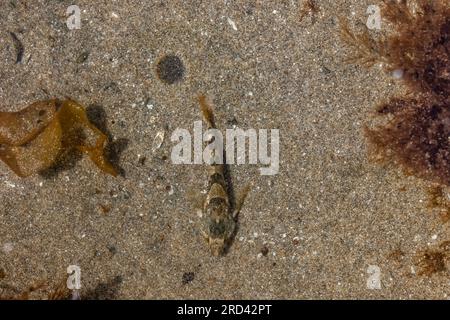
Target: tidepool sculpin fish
<point>218,225</point>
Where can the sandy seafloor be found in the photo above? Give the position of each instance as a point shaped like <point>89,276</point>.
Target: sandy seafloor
<point>325,218</point>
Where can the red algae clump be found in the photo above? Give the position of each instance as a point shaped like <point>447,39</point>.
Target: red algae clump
<point>416,131</point>
<point>433,261</point>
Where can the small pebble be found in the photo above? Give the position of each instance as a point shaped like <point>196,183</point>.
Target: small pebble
<point>397,74</point>
<point>232,24</point>
<point>158,141</point>
<point>8,247</point>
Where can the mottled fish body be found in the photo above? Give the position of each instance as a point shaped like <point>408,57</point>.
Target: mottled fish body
<point>218,222</point>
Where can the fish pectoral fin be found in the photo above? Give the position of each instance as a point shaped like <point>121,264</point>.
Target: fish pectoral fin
<point>240,201</point>
<point>204,235</point>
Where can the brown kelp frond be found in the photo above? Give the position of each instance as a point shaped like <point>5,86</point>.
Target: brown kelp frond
<point>36,138</point>
<point>16,128</point>
<point>366,50</point>
<point>80,133</point>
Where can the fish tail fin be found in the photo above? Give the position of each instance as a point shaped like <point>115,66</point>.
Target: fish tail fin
<point>207,111</point>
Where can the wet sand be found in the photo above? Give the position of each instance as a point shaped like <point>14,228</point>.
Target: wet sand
<point>311,231</point>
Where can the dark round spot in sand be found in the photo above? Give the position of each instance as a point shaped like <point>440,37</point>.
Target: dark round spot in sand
<point>188,277</point>
<point>170,69</point>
